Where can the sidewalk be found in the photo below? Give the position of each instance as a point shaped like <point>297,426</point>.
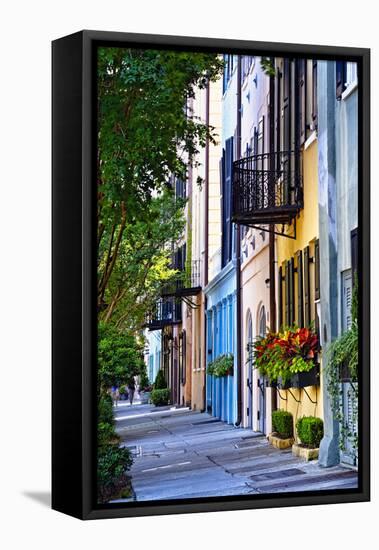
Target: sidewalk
<point>184,454</point>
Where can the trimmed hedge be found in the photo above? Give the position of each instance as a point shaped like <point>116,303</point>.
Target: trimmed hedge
<point>310,431</point>
<point>282,423</point>
<point>160,382</point>
<point>160,397</point>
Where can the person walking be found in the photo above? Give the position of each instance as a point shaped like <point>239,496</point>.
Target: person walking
<point>115,395</point>
<point>132,389</point>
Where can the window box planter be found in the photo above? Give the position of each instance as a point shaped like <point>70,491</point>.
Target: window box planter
<point>304,379</point>
<point>279,442</point>
<point>304,452</point>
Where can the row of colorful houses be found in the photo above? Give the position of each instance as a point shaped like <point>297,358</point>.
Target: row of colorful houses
<point>271,240</point>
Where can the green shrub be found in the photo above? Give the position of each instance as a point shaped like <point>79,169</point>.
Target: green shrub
<point>144,379</point>
<point>105,409</point>
<point>160,382</point>
<point>105,432</point>
<point>160,397</point>
<point>310,431</point>
<point>112,463</point>
<point>282,423</point>
<point>123,390</point>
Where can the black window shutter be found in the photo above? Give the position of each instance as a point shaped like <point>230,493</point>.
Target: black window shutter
<point>340,78</point>
<point>317,270</point>
<point>354,251</point>
<point>278,113</point>
<point>287,294</point>
<point>300,290</point>
<point>223,214</point>
<point>314,94</point>
<point>307,302</point>
<point>226,202</point>
<point>228,192</point>
<point>286,104</point>
<point>302,99</point>
<point>280,298</point>
<point>291,276</point>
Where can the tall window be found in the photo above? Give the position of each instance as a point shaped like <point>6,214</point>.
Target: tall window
<point>229,62</point>
<point>262,321</point>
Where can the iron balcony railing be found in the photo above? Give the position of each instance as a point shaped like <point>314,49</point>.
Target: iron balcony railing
<point>167,311</point>
<point>267,188</point>
<point>186,283</point>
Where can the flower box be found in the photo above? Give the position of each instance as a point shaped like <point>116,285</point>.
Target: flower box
<point>304,379</point>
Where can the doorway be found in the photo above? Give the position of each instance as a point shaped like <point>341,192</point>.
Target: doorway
<point>261,379</point>
<point>249,371</point>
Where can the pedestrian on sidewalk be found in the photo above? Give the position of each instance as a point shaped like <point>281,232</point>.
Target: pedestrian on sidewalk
<point>115,395</point>
<point>131,389</point>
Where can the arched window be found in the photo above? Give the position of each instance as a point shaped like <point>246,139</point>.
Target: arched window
<point>262,321</point>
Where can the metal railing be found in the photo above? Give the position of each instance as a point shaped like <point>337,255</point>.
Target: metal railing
<point>267,188</point>
<point>186,283</point>
<point>167,311</point>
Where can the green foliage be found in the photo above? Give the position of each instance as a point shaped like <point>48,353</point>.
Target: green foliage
<point>344,353</point>
<point>144,379</point>
<point>160,381</point>
<point>119,356</point>
<point>282,423</point>
<point>123,390</point>
<point>112,463</point>
<point>310,431</point>
<point>280,355</point>
<point>105,409</point>
<point>160,397</point>
<point>145,137</point>
<point>221,366</point>
<point>105,433</point>
<point>267,66</point>
<point>142,262</point>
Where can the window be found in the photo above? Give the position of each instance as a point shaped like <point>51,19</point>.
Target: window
<point>246,62</point>
<point>228,70</point>
<point>346,74</point>
<point>226,202</point>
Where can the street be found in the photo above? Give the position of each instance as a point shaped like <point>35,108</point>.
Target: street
<point>179,453</point>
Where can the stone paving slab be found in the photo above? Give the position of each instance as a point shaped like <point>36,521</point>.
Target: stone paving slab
<point>188,454</point>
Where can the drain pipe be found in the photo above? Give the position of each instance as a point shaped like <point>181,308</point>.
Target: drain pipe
<point>238,262</point>
<point>272,275</point>
<point>206,246</point>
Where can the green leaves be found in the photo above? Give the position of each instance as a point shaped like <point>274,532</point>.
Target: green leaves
<point>221,366</point>
<point>119,357</point>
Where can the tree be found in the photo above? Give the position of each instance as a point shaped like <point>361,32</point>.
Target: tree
<point>145,136</point>
<point>119,357</point>
<point>142,263</point>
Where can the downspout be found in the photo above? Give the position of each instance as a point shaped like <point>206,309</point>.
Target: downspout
<point>272,227</point>
<point>206,244</point>
<point>238,261</point>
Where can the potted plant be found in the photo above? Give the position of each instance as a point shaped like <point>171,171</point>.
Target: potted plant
<point>285,357</point>
<point>282,429</point>
<point>310,431</point>
<point>221,366</point>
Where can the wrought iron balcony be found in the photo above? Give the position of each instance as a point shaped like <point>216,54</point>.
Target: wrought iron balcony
<point>267,188</point>
<point>167,311</point>
<point>187,282</point>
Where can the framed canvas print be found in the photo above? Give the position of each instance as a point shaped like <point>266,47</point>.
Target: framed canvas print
<point>210,274</point>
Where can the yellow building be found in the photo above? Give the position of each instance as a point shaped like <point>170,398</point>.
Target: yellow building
<point>297,289</point>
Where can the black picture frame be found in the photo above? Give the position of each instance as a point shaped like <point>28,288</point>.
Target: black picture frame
<point>74,274</point>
